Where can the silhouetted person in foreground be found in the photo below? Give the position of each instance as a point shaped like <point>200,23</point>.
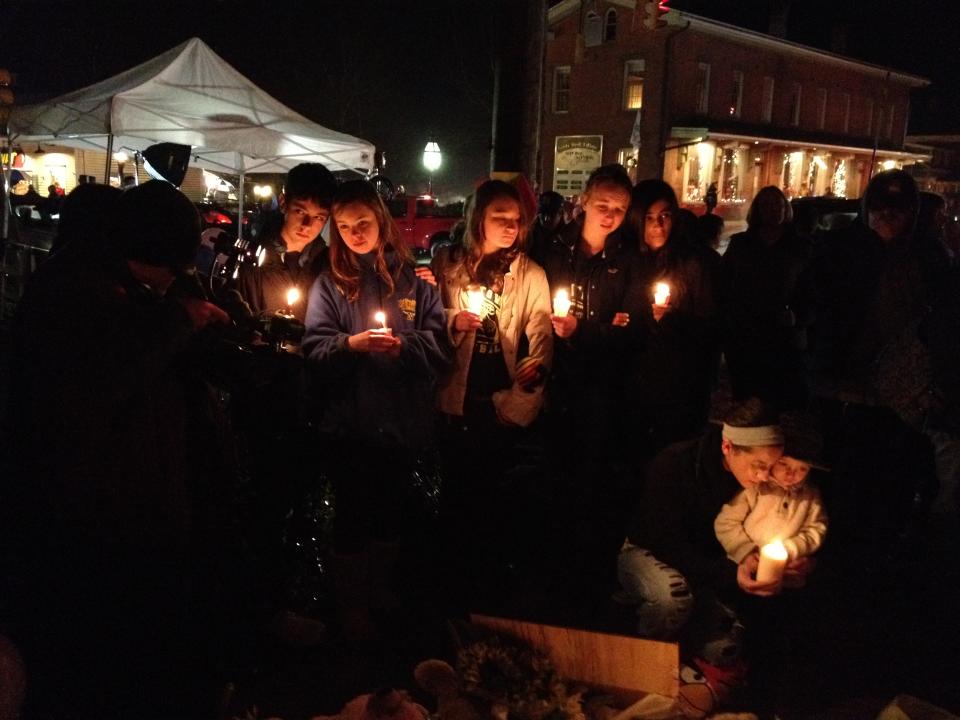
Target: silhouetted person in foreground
<point>112,509</point>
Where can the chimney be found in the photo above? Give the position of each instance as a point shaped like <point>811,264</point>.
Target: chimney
<point>779,12</point>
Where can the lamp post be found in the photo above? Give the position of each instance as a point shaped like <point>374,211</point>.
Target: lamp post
<point>121,158</point>
<point>431,161</point>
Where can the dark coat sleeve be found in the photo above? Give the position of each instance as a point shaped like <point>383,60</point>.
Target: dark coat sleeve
<point>327,330</point>
<point>427,349</point>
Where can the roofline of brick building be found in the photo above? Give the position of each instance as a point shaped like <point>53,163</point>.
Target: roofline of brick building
<point>707,25</point>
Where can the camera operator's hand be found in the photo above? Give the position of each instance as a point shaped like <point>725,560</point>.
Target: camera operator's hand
<point>203,313</point>
<point>465,321</point>
<point>374,341</point>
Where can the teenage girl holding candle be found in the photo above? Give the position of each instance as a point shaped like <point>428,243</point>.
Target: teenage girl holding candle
<point>498,316</point>
<point>380,381</point>
<point>677,364</point>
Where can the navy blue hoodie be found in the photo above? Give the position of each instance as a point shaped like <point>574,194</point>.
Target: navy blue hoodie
<point>375,398</point>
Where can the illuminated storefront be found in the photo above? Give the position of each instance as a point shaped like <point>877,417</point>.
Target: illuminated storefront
<point>738,166</point>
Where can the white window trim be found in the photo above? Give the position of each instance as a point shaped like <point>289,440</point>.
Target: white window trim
<point>703,98</point>
<point>592,30</point>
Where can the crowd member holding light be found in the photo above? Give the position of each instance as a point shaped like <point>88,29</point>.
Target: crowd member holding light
<point>381,377</point>
<point>785,512</point>
<point>292,252</point>
<point>498,315</point>
<point>672,570</point>
<point>590,270</point>
<point>677,363</point>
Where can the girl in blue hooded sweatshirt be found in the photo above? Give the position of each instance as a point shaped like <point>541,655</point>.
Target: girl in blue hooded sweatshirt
<point>377,335</point>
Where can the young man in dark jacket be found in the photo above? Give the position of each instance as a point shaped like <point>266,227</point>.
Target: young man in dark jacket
<point>293,251</point>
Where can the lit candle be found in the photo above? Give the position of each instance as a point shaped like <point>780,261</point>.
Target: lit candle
<point>561,303</point>
<point>381,318</point>
<point>661,293</point>
<point>475,299</point>
<point>293,296</point>
<point>773,560</point>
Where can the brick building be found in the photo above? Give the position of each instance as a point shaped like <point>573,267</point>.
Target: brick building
<point>710,103</point>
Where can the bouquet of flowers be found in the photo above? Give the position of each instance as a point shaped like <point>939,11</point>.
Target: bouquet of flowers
<point>516,682</point>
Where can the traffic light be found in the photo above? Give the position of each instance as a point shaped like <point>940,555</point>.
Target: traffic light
<point>652,10</point>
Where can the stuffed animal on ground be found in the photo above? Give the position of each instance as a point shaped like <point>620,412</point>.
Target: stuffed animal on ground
<point>439,679</point>
<point>384,704</point>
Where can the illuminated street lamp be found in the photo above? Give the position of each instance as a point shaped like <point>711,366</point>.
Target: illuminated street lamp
<point>431,161</point>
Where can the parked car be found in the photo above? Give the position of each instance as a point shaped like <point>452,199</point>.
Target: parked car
<point>833,213</point>
<point>213,215</point>
<point>424,223</point>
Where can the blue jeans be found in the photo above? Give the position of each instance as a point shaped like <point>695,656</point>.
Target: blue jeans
<point>667,608</point>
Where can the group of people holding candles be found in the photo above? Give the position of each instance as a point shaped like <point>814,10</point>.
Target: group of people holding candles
<point>602,352</point>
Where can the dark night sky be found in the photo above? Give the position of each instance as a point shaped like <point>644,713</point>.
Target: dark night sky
<point>397,72</point>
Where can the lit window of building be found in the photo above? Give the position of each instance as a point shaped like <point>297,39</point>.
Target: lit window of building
<point>610,26</point>
<point>736,94</point>
<point>766,111</point>
<point>633,72</point>
<point>561,89</point>
<point>703,88</point>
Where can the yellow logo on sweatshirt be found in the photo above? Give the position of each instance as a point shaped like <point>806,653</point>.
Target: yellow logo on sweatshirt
<point>408,306</point>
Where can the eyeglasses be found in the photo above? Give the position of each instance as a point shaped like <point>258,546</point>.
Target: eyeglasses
<point>660,218</point>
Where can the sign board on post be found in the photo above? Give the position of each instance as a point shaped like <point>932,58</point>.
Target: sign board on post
<point>575,157</point>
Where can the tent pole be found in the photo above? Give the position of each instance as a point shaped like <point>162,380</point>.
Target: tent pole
<point>106,172</point>
<point>240,208</point>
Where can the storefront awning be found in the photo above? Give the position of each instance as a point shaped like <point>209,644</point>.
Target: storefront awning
<point>692,135</point>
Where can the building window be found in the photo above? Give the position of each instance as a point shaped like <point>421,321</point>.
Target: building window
<point>868,127</point>
<point>592,30</point>
<point>893,112</point>
<point>736,94</point>
<point>633,71</point>
<point>561,89</point>
<point>821,108</point>
<point>703,88</point>
<point>846,112</point>
<point>766,108</point>
<point>610,26</point>
<point>795,100</point>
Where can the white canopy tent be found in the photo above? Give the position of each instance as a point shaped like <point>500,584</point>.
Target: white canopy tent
<point>191,96</point>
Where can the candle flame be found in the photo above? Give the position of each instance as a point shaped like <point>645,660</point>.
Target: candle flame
<point>475,300</point>
<point>775,550</point>
<point>661,293</point>
<point>293,296</point>
<point>561,303</point>
<point>381,318</point>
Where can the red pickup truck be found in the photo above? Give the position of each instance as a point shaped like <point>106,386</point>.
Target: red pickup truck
<point>424,222</point>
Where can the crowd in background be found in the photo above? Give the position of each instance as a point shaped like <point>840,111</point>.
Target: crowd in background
<point>509,414</point>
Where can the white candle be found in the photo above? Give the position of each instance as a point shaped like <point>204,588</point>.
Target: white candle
<point>475,299</point>
<point>773,559</point>
<point>661,293</point>
<point>561,303</point>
